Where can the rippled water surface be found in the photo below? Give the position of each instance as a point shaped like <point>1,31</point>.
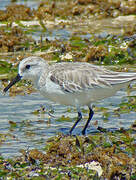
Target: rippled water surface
<point>33,130</point>
<point>30,3</point>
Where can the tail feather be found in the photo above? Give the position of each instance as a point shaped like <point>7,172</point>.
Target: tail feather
<point>119,78</point>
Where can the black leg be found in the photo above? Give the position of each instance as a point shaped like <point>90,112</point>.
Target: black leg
<point>91,113</point>
<point>78,119</point>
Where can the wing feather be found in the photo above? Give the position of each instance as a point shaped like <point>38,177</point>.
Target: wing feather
<point>75,77</point>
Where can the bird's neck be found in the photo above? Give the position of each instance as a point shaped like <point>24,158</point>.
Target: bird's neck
<point>40,80</point>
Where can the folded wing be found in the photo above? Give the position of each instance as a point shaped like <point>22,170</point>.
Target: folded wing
<point>75,77</point>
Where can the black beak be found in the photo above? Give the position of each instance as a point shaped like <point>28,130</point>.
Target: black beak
<point>16,79</point>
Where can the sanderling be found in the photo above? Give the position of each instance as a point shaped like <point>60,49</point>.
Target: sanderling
<point>72,83</point>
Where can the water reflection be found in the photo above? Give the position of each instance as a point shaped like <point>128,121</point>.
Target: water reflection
<point>32,130</point>
<point>30,3</point>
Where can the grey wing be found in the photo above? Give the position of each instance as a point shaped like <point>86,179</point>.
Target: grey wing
<point>78,79</point>
<point>118,77</point>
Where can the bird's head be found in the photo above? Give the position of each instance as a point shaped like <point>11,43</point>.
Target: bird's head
<point>29,68</point>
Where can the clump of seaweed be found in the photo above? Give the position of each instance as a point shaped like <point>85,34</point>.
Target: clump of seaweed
<point>15,12</point>
<point>82,8</point>
<point>72,151</point>
<point>13,39</point>
<point>96,53</point>
<point>70,156</point>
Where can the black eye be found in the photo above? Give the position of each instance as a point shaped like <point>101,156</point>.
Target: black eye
<point>27,66</point>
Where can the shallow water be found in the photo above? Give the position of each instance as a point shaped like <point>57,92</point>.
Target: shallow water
<point>30,3</point>
<point>32,131</point>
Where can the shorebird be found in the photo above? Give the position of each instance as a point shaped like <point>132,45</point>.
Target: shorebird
<point>72,83</point>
